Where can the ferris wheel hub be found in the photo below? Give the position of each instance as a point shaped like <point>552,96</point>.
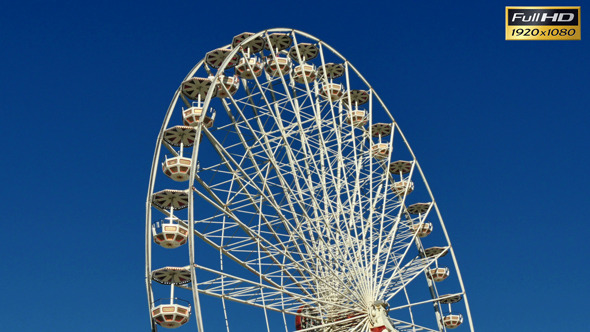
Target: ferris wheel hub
<point>378,314</point>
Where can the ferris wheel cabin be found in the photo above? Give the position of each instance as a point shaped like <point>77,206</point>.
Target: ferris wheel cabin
<point>452,321</point>
<point>171,316</point>
<point>304,73</point>
<point>357,118</point>
<point>227,86</point>
<point>439,274</point>
<point>192,115</point>
<point>278,66</point>
<point>332,91</point>
<point>169,235</point>
<point>249,68</point>
<point>403,187</point>
<point>177,168</point>
<point>422,229</point>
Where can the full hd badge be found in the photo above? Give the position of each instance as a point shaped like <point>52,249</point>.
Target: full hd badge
<point>543,23</point>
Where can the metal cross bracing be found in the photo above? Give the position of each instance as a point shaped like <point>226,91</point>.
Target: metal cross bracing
<point>297,203</point>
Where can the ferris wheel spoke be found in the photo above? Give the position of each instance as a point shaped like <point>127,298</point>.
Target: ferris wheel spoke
<point>436,299</point>
<point>261,272</point>
<point>296,182</point>
<point>380,196</point>
<point>405,275</point>
<point>329,151</point>
<point>294,166</point>
<point>404,326</point>
<point>283,184</point>
<point>265,146</point>
<point>246,291</point>
<point>410,306</point>
<point>400,236</point>
<point>290,98</point>
<point>270,250</point>
<point>308,93</point>
<point>235,168</point>
<point>398,240</point>
<point>352,195</point>
<point>387,208</point>
<point>296,111</point>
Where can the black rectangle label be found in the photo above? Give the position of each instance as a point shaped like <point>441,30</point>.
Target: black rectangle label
<point>538,17</point>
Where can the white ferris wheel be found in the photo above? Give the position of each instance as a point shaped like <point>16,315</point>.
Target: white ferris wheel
<point>284,197</point>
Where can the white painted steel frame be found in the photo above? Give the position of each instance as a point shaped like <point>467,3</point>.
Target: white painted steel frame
<point>305,267</point>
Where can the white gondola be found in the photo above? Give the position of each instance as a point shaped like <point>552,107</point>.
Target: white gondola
<point>380,151</point>
<point>332,91</point>
<point>193,115</point>
<point>452,321</point>
<point>357,118</point>
<point>403,187</point>
<point>435,251</point>
<point>438,274</point>
<point>422,229</point>
<point>175,312</point>
<point>304,73</point>
<point>170,235</point>
<point>249,68</point>
<point>170,198</point>
<point>331,70</point>
<point>227,86</point>
<point>171,316</point>
<point>177,168</point>
<point>278,66</point>
<point>418,208</point>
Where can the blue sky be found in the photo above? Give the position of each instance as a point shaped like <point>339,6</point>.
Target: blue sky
<point>499,127</point>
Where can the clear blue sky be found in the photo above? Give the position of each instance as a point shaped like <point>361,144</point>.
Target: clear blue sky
<point>500,129</point>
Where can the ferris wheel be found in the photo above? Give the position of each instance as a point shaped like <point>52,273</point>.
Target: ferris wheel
<point>284,197</point>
